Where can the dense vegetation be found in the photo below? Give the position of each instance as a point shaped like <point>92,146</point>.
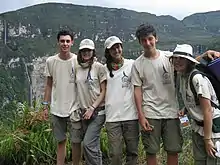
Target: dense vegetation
<point>25,137</point>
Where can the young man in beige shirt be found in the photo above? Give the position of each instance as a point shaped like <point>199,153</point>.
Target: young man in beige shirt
<point>60,93</point>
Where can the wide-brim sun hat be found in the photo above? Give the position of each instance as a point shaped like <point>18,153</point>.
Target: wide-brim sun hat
<point>184,51</point>
<point>86,44</point>
<point>110,41</point>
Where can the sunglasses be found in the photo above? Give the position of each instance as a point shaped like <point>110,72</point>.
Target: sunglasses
<point>67,41</point>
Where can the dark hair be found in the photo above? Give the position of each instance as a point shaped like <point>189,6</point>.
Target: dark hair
<point>109,60</point>
<point>80,59</point>
<point>191,65</point>
<point>64,33</point>
<point>144,30</point>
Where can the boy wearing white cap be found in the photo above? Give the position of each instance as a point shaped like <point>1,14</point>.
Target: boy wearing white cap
<point>121,114</point>
<point>200,108</point>
<point>91,85</point>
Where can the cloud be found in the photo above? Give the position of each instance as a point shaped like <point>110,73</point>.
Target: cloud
<point>177,8</point>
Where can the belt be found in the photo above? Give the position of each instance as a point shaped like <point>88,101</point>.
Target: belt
<point>100,108</point>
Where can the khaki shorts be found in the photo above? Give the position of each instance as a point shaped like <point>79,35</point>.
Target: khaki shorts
<point>199,152</point>
<point>60,125</point>
<point>167,130</point>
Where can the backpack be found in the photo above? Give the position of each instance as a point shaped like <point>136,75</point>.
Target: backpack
<point>205,71</point>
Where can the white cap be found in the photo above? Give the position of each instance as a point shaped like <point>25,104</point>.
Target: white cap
<point>110,41</point>
<point>86,44</point>
<point>184,51</point>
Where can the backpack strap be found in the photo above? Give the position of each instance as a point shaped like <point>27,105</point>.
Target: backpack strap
<point>194,91</point>
<point>74,67</point>
<point>192,86</point>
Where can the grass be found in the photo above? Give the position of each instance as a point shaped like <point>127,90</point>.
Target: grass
<point>26,138</point>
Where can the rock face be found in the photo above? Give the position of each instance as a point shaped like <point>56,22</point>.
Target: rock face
<point>37,77</point>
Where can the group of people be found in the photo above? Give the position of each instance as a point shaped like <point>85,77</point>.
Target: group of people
<point>128,97</point>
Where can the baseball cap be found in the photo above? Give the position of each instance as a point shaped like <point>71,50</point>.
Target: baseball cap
<point>86,44</point>
<point>110,41</point>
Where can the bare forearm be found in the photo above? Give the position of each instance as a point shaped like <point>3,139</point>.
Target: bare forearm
<point>101,96</point>
<point>48,89</point>
<point>209,55</point>
<point>138,100</point>
<point>208,123</point>
<point>206,107</point>
<point>47,94</point>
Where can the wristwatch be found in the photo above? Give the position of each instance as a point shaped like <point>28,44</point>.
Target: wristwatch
<point>45,103</point>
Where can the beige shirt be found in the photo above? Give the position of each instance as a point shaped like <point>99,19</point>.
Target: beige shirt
<point>88,85</point>
<point>204,88</point>
<point>156,77</point>
<point>119,99</point>
<point>63,97</point>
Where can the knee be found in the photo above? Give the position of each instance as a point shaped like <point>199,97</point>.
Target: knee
<point>62,142</point>
<point>172,153</point>
<point>150,155</point>
<point>115,152</point>
<point>86,143</point>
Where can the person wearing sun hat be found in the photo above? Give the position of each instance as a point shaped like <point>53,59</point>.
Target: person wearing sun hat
<point>121,115</point>
<point>153,78</point>
<point>203,138</point>
<point>185,51</point>
<point>91,84</point>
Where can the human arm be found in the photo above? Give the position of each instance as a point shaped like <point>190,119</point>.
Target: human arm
<point>47,96</point>
<point>204,93</point>
<point>97,102</point>
<point>206,107</point>
<point>138,97</point>
<point>208,55</point>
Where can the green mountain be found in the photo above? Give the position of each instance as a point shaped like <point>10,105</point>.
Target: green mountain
<point>31,33</point>
<point>37,25</point>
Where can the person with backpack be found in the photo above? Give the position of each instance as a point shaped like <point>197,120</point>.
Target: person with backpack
<point>91,87</point>
<point>155,97</point>
<point>121,115</point>
<point>201,103</point>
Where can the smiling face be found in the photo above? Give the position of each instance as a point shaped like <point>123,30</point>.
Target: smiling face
<point>180,64</point>
<point>148,42</point>
<point>65,42</point>
<point>116,51</point>
<point>86,54</point>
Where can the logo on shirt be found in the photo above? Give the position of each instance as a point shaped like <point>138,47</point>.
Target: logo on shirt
<point>89,83</point>
<point>166,76</point>
<point>126,81</point>
<point>72,76</point>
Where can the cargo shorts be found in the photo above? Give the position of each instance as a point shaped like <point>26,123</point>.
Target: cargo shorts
<point>167,131</point>
<point>61,125</point>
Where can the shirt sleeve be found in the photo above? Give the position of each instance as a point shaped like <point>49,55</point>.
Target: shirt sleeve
<point>201,85</point>
<point>135,76</point>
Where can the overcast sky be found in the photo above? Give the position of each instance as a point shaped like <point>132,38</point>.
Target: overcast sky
<point>176,8</point>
